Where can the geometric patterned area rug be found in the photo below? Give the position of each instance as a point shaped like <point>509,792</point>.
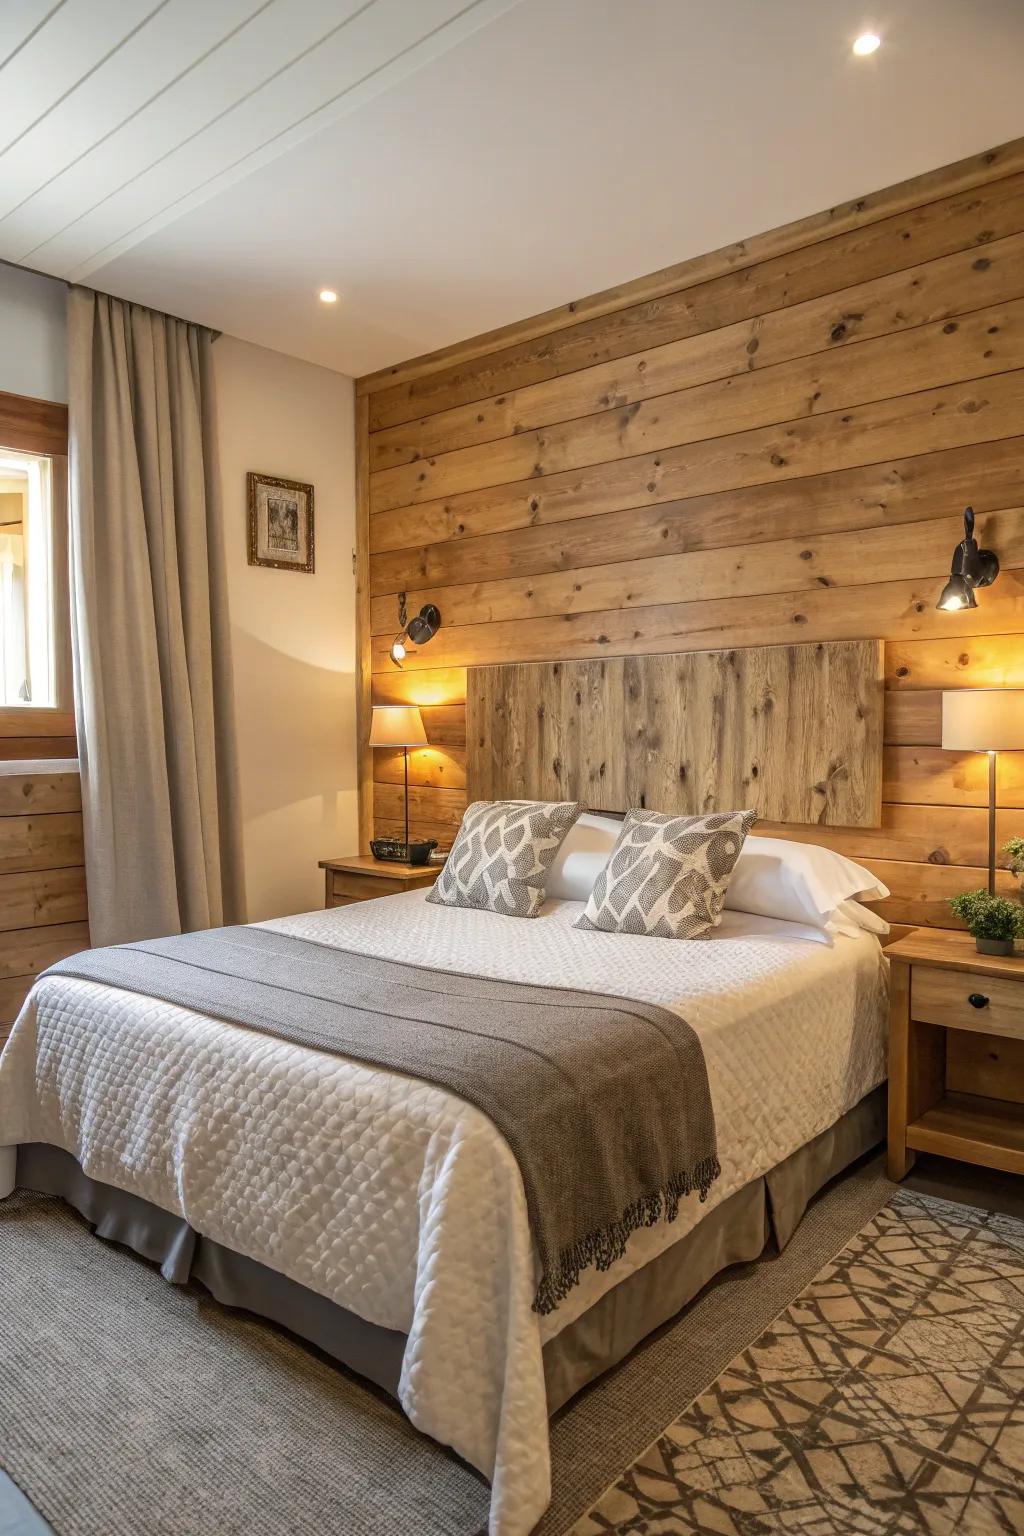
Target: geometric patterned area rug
<point>888,1398</point>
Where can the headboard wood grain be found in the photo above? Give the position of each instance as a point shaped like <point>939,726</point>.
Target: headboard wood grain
<point>794,731</point>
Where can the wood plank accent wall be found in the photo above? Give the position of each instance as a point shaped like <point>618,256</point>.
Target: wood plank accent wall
<point>774,442</point>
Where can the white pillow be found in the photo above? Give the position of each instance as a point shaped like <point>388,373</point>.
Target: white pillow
<point>851,918</point>
<point>582,856</point>
<point>747,925</point>
<point>797,882</point>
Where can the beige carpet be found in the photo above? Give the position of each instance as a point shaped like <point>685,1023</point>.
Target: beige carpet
<point>132,1408</point>
<point>888,1398</point>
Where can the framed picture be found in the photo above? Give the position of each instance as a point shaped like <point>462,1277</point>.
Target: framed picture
<point>280,523</point>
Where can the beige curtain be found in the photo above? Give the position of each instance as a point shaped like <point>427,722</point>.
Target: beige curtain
<point>149,626</point>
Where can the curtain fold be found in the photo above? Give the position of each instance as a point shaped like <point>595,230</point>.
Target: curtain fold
<point>151,643</point>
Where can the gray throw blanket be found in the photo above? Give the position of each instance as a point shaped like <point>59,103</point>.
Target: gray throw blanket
<point>604,1102</point>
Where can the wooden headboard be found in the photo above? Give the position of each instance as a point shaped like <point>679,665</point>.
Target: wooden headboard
<point>794,731</point>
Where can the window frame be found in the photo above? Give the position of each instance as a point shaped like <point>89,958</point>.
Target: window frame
<point>38,427</point>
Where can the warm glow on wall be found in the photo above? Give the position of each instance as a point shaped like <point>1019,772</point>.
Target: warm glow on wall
<point>445,685</point>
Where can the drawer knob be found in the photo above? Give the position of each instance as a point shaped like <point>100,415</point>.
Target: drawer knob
<point>978,1000</point>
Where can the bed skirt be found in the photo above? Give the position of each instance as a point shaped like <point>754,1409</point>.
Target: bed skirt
<point>734,1232</point>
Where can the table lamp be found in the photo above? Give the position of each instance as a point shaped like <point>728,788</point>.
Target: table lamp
<point>399,725</point>
<point>985,720</point>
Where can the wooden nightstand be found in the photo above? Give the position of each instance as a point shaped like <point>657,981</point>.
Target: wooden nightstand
<point>956,1052</point>
<point>361,877</point>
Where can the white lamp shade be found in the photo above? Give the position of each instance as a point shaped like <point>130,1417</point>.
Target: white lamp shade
<point>397,725</point>
<point>983,720</point>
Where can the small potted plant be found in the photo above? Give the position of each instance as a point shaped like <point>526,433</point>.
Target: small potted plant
<point>1015,848</point>
<point>994,921</point>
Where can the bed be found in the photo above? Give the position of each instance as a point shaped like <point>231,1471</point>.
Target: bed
<point>385,1218</point>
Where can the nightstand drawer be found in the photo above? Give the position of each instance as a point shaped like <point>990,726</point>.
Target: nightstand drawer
<point>347,885</point>
<point>362,878</point>
<point>365,887</point>
<point>939,996</point>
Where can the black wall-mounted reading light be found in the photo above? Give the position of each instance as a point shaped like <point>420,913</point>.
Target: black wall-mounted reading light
<point>971,567</point>
<point>423,626</point>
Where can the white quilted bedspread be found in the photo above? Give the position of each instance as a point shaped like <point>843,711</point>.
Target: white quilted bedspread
<point>399,1200</point>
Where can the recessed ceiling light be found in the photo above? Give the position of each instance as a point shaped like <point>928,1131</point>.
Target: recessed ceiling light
<point>868,42</point>
<point>328,296</point>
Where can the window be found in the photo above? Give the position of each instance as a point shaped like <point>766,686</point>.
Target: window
<point>28,670</point>
<point>35,631</point>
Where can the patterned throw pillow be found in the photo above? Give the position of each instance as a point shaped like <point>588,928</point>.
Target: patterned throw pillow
<point>501,857</point>
<point>667,875</point>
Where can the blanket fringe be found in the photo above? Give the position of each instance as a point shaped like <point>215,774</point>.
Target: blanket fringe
<point>604,1246</point>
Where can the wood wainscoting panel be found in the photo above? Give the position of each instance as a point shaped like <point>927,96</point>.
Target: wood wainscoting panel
<point>19,721</point>
<point>709,730</point>
<point>41,842</point>
<point>29,748</point>
<point>27,951</point>
<point>28,788</point>
<point>38,898</point>
<point>771,445</point>
<point>43,908</point>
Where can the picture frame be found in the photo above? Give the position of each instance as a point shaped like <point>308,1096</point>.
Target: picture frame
<point>281,527</point>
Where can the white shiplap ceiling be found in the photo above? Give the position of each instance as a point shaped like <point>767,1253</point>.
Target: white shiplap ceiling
<point>451,165</point>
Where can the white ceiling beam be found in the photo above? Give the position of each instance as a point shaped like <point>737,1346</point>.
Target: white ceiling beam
<point>19,21</point>
<point>276,34</point>
<point>79,37</point>
<point>174,41</point>
<point>276,81</point>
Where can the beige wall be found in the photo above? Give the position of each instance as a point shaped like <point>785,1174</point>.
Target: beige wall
<point>33,337</point>
<point>293,635</point>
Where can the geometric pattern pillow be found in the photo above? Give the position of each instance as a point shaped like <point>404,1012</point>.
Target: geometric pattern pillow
<point>500,860</point>
<point>667,875</point>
